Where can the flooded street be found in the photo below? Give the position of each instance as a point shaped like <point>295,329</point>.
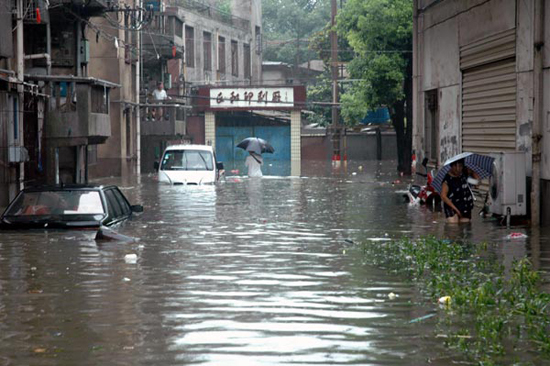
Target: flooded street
<point>249,272</point>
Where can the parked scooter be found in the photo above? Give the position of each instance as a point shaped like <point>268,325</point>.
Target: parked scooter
<point>424,195</point>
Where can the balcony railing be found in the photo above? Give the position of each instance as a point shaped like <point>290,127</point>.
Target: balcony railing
<point>86,8</point>
<point>89,3</point>
<point>163,119</point>
<point>167,46</point>
<point>164,37</point>
<point>78,109</point>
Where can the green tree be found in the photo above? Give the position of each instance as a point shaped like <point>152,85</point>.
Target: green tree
<point>288,25</point>
<point>319,94</point>
<point>320,91</point>
<point>380,32</point>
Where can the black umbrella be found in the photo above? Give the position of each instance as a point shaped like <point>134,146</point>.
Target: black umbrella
<point>256,145</point>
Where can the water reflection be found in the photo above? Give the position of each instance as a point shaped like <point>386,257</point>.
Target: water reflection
<point>252,271</point>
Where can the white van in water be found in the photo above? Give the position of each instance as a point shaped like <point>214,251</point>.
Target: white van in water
<point>189,164</point>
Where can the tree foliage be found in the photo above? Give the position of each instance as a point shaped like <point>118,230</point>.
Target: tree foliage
<point>380,33</point>
<point>288,25</point>
<point>321,89</point>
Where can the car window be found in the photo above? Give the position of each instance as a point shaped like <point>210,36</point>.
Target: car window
<point>114,207</point>
<point>126,210</point>
<point>187,160</point>
<point>57,202</point>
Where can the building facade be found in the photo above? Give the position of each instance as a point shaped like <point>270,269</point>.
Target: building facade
<point>192,44</point>
<point>114,56</point>
<point>481,83</point>
<point>52,110</point>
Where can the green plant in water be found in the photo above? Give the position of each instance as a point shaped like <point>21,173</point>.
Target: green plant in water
<point>500,314</point>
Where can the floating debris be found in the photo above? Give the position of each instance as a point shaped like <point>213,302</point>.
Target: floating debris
<point>130,258</point>
<point>516,236</point>
<point>444,300</point>
<point>422,318</point>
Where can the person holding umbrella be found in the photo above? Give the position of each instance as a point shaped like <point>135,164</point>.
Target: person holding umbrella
<point>453,181</point>
<point>255,147</point>
<point>458,200</point>
<point>254,163</point>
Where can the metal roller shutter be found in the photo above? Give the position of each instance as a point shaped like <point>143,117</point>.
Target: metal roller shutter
<point>489,94</point>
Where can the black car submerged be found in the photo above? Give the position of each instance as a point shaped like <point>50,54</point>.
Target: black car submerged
<point>68,206</point>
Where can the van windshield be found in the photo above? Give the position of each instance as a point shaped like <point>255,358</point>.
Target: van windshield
<point>187,160</point>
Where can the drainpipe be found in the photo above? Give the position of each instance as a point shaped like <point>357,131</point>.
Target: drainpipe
<point>416,120</point>
<point>48,48</point>
<point>537,111</point>
<point>20,89</point>
<point>78,44</point>
<point>137,91</point>
<point>41,55</point>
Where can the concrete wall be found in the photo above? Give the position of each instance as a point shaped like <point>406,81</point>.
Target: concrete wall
<point>275,76</point>
<point>360,147</point>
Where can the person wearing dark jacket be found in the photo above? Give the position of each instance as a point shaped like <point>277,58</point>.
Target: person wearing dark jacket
<point>457,197</point>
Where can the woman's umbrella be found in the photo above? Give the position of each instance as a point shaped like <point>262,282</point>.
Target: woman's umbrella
<point>481,164</point>
<point>256,145</point>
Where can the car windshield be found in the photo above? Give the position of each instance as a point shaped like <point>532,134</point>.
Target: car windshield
<point>69,202</point>
<point>187,160</point>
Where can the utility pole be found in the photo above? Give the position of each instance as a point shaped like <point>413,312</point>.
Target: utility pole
<point>336,131</point>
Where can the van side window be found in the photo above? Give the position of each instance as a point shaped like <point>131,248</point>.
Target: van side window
<point>114,207</point>
<point>126,210</point>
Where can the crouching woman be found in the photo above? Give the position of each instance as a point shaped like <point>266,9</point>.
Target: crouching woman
<point>458,200</point>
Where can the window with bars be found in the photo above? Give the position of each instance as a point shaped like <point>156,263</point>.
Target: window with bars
<point>431,124</point>
<point>247,61</point>
<point>234,58</point>
<point>178,27</point>
<point>221,55</point>
<point>258,35</point>
<point>190,46</point>
<point>207,51</point>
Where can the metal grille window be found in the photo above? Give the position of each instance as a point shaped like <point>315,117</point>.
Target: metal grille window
<point>234,58</point>
<point>178,31</point>
<point>221,55</point>
<point>258,35</point>
<point>190,46</point>
<point>246,51</point>
<point>128,39</point>
<point>100,100</point>
<point>92,154</point>
<point>207,51</point>
<point>431,125</point>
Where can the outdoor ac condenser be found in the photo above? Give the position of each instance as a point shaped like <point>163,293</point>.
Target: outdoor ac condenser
<point>507,184</point>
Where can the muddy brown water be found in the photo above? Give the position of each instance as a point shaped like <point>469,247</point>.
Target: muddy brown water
<point>249,272</point>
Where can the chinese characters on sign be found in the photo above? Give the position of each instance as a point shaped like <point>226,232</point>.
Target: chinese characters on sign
<point>252,98</point>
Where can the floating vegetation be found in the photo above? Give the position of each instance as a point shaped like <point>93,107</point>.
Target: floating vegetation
<point>493,315</point>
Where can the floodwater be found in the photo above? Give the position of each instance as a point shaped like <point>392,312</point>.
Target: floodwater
<point>249,272</point>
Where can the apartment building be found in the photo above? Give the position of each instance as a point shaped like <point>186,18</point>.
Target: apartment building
<point>52,110</point>
<point>191,44</point>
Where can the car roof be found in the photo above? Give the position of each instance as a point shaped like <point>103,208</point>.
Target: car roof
<point>66,187</point>
<point>190,147</point>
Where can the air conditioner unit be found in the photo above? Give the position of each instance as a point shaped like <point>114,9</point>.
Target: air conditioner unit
<point>507,184</point>
<point>17,154</point>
